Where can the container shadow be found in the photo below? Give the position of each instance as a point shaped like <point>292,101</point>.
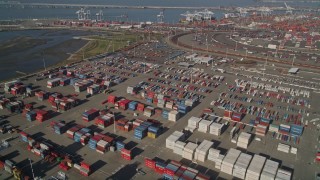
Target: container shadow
<point>95,128</point>
<point>97,165</point>
<point>127,172</point>
<point>37,135</point>
<point>136,151</point>
<point>74,147</point>
<point>10,155</point>
<point>131,145</point>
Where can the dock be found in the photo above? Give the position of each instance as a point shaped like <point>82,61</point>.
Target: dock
<point>14,4</point>
<point>22,73</point>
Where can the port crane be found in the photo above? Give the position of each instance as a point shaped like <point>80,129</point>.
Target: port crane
<point>289,9</point>
<point>265,11</point>
<point>99,16</point>
<point>160,17</point>
<point>206,14</point>
<point>189,16</point>
<point>83,15</point>
<point>242,11</point>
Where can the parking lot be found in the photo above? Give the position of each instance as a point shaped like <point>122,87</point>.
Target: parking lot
<point>199,82</point>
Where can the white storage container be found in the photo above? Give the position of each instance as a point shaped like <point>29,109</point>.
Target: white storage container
<point>283,175</point>
<point>283,148</point>
<point>269,170</point>
<point>202,150</point>
<point>178,147</point>
<point>193,122</point>
<point>173,116</point>
<point>204,125</point>
<point>188,151</point>
<point>240,167</point>
<point>215,129</point>
<point>255,167</point>
<point>229,161</point>
<point>243,140</point>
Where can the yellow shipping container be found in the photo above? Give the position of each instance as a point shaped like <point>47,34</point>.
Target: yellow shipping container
<point>17,173</point>
<point>152,135</point>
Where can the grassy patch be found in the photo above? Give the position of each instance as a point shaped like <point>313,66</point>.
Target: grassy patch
<point>105,44</point>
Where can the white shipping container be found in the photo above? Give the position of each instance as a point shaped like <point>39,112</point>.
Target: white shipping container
<point>283,175</point>
<point>175,136</point>
<point>241,165</point>
<point>216,128</point>
<point>178,147</point>
<point>255,167</point>
<point>202,150</point>
<point>229,161</point>
<point>243,140</point>
<point>193,122</point>
<point>170,141</point>
<point>283,148</point>
<point>269,170</point>
<point>173,116</point>
<point>218,161</point>
<point>188,151</point>
<point>204,125</point>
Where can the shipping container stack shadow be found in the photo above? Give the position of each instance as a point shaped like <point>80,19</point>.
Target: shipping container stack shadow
<point>42,167</point>
<point>82,101</point>
<point>53,114</point>
<point>127,172</point>
<point>10,155</point>
<point>97,165</point>
<point>38,136</point>
<point>202,169</point>
<point>95,128</point>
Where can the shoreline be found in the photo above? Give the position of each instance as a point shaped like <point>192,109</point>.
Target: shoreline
<point>65,61</point>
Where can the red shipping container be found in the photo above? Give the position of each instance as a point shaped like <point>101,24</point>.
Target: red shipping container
<point>159,170</point>
<point>155,101</point>
<point>176,163</point>
<point>202,177</point>
<point>108,139</point>
<point>85,165</point>
<point>63,166</point>
<point>227,114</point>
<point>42,115</point>
<point>151,94</point>
<point>236,116</point>
<point>126,157</point>
<point>150,163</point>
<point>124,104</point>
<point>111,99</point>
<point>83,173</point>
<point>169,172</point>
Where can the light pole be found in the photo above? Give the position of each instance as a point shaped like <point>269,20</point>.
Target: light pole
<point>44,63</point>
<point>227,53</point>
<point>264,67</point>
<point>294,56</point>
<point>246,53</point>
<point>114,121</point>
<point>236,46</point>
<point>192,46</point>
<point>207,43</point>
<point>31,168</point>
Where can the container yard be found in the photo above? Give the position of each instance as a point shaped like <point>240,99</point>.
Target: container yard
<point>198,104</point>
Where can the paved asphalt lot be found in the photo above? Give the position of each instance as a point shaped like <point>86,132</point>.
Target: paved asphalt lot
<point>113,166</point>
<point>223,41</point>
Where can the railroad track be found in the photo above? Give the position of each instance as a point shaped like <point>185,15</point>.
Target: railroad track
<point>174,40</point>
